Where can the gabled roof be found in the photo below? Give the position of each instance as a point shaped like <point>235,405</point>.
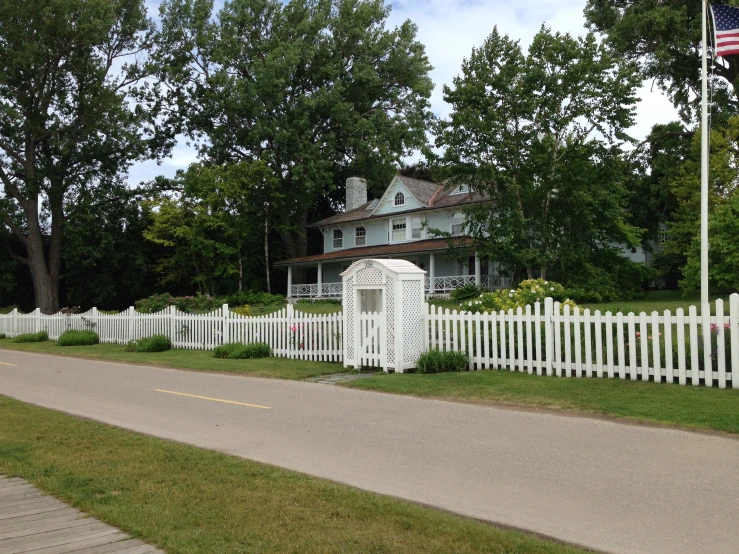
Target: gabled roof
<point>430,195</point>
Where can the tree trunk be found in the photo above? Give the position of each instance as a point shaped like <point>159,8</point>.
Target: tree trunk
<point>241,271</point>
<point>295,242</point>
<point>45,280</point>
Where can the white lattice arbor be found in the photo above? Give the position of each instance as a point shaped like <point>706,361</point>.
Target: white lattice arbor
<point>383,314</point>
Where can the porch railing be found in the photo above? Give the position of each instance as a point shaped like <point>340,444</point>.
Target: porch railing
<point>442,285</point>
<point>328,290</point>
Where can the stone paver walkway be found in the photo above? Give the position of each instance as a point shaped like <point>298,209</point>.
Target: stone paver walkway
<point>335,378</point>
<point>33,522</point>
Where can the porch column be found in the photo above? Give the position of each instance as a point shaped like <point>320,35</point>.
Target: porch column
<point>289,281</point>
<point>478,277</point>
<point>320,280</point>
<point>432,273</point>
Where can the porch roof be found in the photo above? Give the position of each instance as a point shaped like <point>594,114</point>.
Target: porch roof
<point>414,247</point>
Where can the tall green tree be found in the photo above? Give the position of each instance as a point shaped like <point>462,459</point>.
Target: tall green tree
<point>216,228</point>
<point>538,133</point>
<point>664,39</point>
<point>684,235</point>
<point>317,90</point>
<point>106,261</point>
<point>66,116</point>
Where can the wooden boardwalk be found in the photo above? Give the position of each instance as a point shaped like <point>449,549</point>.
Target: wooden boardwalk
<point>33,522</point>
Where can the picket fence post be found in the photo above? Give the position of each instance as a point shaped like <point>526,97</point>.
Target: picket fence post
<point>170,318</point>
<point>131,324</point>
<point>734,330</point>
<point>15,321</point>
<point>37,318</point>
<point>289,335</point>
<point>548,338</point>
<point>225,335</point>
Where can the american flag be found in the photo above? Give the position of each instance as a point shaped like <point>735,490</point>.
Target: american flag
<point>726,24</point>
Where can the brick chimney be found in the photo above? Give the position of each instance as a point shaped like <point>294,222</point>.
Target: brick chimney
<point>356,192</point>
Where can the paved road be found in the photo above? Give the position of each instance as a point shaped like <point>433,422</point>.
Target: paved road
<point>608,486</point>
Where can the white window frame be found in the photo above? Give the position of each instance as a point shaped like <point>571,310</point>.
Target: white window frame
<point>662,236</point>
<point>339,238</point>
<point>363,236</point>
<point>461,189</point>
<point>419,228</point>
<point>458,219</point>
<point>399,196</point>
<point>392,229</point>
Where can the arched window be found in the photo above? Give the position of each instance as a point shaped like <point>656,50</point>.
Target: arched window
<point>457,223</point>
<point>338,238</point>
<point>399,199</point>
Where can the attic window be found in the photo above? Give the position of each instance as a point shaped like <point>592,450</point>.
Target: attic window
<point>399,199</point>
<point>373,205</point>
<point>461,189</point>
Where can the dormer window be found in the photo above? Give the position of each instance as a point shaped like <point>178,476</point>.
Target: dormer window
<point>461,189</point>
<point>399,199</point>
<point>338,238</point>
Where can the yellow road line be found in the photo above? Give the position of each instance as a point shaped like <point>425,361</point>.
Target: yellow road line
<point>213,399</point>
<point>5,363</point>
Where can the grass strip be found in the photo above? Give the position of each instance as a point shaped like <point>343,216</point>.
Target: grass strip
<point>198,360</point>
<point>189,500</point>
<point>685,406</point>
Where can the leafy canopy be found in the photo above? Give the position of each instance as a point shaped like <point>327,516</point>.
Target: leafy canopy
<point>537,133</point>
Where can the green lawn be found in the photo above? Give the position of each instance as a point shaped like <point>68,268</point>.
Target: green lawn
<point>193,501</point>
<point>659,300</point>
<point>305,308</point>
<point>685,406</point>
<point>198,360</point>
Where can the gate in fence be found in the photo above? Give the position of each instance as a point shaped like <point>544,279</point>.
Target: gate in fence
<point>383,315</point>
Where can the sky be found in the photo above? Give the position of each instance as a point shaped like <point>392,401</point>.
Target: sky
<point>449,29</point>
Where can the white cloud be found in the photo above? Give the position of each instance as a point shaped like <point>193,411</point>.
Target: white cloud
<point>449,29</point>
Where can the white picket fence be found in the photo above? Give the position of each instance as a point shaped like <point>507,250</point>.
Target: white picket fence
<point>683,348</point>
<point>543,339</point>
<point>290,334</point>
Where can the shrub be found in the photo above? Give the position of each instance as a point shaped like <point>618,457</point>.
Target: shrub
<point>243,311</point>
<point>199,303</point>
<point>254,299</point>
<point>251,351</point>
<point>239,351</point>
<point>155,343</point>
<point>528,292</point>
<point>7,309</point>
<point>224,351</point>
<point>78,338</point>
<point>2,335</point>
<point>437,361</point>
<point>41,336</point>
<point>466,292</point>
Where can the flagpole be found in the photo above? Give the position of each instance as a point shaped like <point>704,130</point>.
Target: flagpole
<point>704,163</point>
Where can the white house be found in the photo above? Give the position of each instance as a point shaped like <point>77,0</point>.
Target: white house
<point>395,226</point>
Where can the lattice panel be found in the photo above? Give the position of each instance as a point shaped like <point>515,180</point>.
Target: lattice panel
<point>390,311</point>
<point>412,325</point>
<point>349,320</point>
<point>369,276</point>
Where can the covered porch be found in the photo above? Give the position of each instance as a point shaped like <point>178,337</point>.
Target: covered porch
<point>322,276</point>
